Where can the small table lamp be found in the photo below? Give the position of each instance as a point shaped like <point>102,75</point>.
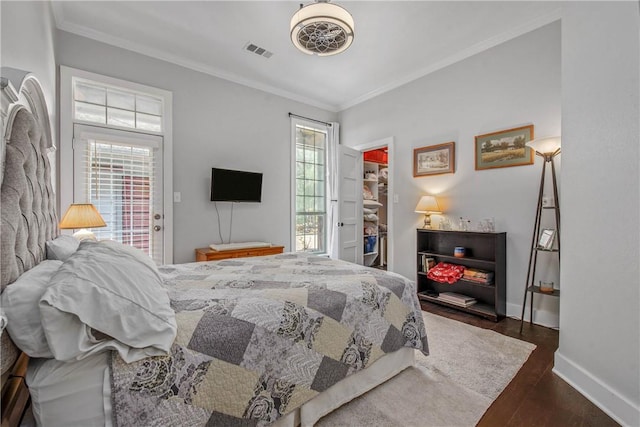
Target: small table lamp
<point>428,205</point>
<point>82,216</point>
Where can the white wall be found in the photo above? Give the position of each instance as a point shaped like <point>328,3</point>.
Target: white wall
<point>514,84</point>
<point>28,44</point>
<point>599,349</point>
<point>28,41</point>
<point>216,123</point>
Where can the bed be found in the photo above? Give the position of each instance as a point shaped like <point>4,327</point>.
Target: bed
<point>281,339</point>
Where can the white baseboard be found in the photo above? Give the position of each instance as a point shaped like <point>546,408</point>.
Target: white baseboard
<point>618,407</point>
<point>540,317</point>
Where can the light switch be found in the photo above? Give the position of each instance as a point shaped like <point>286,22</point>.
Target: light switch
<point>396,198</point>
<point>177,197</point>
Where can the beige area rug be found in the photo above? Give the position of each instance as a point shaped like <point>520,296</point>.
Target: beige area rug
<point>466,371</point>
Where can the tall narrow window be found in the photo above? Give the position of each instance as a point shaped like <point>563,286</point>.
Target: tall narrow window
<point>310,189</point>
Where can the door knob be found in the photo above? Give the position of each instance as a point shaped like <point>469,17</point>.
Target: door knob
<point>157,228</point>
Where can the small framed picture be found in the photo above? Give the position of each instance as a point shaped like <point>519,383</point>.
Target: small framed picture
<point>546,239</point>
<point>434,159</point>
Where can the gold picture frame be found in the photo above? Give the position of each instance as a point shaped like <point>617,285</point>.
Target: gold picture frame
<point>504,148</point>
<point>434,159</point>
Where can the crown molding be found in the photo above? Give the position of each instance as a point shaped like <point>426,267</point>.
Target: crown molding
<point>84,31</point>
<point>529,26</point>
<point>58,12</point>
<point>183,62</point>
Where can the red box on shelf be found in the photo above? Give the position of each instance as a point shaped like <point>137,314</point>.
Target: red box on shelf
<point>376,156</point>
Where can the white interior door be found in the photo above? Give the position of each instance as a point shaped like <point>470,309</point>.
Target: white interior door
<point>350,205</point>
<point>120,172</point>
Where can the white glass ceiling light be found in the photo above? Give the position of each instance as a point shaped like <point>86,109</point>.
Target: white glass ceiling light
<point>322,29</point>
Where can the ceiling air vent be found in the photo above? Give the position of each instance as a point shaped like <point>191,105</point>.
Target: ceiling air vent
<point>250,47</point>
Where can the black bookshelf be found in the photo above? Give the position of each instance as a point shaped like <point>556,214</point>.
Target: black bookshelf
<point>485,251</point>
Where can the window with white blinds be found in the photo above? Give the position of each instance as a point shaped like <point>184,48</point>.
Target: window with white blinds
<point>120,177</point>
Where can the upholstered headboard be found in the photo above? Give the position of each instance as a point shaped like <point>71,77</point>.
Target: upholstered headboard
<point>27,200</point>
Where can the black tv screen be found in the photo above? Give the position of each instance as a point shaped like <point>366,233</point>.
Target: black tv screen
<point>235,186</point>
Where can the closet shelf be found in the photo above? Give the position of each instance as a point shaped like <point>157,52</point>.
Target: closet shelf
<point>374,199</point>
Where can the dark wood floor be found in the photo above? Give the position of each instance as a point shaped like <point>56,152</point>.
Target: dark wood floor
<point>536,396</point>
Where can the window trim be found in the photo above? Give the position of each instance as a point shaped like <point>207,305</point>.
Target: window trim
<point>65,183</point>
<point>313,125</point>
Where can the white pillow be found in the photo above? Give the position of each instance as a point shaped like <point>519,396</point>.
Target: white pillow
<point>370,217</point>
<point>62,247</point>
<point>107,296</point>
<point>20,305</point>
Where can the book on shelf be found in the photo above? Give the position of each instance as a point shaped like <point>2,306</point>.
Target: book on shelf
<point>477,280</point>
<point>457,299</point>
<point>478,276</point>
<point>426,263</point>
<point>458,304</point>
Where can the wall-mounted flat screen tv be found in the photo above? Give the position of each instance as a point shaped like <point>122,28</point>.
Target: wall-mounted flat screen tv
<point>235,186</point>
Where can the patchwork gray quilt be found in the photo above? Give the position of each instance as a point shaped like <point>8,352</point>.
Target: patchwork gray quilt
<point>259,337</point>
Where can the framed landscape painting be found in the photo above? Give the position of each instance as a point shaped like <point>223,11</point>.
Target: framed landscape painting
<point>434,159</point>
<point>504,148</point>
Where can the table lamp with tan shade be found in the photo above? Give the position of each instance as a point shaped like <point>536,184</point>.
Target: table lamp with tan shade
<point>82,216</point>
<point>427,205</point>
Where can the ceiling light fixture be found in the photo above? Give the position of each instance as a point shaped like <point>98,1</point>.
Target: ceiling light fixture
<point>322,28</point>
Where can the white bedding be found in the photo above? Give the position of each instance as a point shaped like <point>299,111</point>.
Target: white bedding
<point>107,295</point>
<point>68,394</point>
